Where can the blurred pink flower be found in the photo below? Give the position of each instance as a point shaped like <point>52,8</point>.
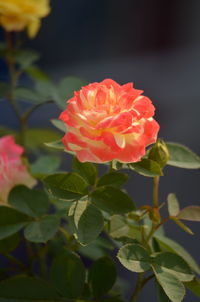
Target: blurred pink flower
<point>12,170</point>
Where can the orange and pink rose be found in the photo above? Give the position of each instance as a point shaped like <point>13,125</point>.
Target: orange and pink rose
<point>107,121</point>
<point>12,170</point>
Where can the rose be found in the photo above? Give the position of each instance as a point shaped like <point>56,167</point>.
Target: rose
<point>12,170</point>
<point>16,15</point>
<point>106,121</point>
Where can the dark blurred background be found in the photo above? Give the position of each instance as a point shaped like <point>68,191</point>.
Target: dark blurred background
<point>156,45</point>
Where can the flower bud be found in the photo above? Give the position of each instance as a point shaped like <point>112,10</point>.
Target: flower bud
<point>159,153</point>
<point>154,215</point>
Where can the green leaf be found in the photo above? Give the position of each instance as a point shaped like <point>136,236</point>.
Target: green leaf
<point>102,276</point>
<point>47,90</point>
<point>173,204</point>
<point>191,213</point>
<point>66,89</point>
<point>23,288</point>
<point>59,124</point>
<point>194,286</point>
<point>114,179</point>
<point>42,230</point>
<point>9,244</point>
<point>161,296</point>
<point>112,200</point>
<point>182,225</point>
<point>182,157</point>
<point>45,164</point>
<point>58,145</point>
<point>37,137</point>
<point>3,49</point>
<point>29,95</point>
<point>32,202</point>
<point>65,186</point>
<point>6,131</point>
<point>68,274</point>
<point>11,221</point>
<point>36,73</point>
<point>134,257</point>
<point>86,221</point>
<point>87,170</point>
<point>4,89</point>
<point>118,226</point>
<point>171,285</point>
<point>175,265</point>
<point>172,246</point>
<point>97,249</point>
<point>25,58</point>
<point>146,167</point>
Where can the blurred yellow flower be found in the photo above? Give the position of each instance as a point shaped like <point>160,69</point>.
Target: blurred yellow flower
<point>16,15</point>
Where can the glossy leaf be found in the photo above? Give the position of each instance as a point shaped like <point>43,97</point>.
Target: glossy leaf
<point>36,137</point>
<point>112,200</point>
<point>171,285</point>
<point>66,88</point>
<point>134,257</point>
<point>42,230</point>
<point>66,186</point>
<point>175,265</point>
<point>146,167</point>
<point>118,226</point>
<point>86,221</point>
<point>182,157</point>
<point>68,274</point>
<point>28,95</point>
<point>58,145</point>
<point>173,204</point>
<point>102,276</point>
<point>36,73</point>
<point>24,288</point>
<point>191,213</point>
<point>29,201</point>
<point>45,164</point>
<point>194,287</point>
<point>59,124</point>
<point>87,170</point>
<point>48,90</point>
<point>11,221</point>
<point>182,225</point>
<point>114,179</point>
<point>26,57</point>
<point>160,294</point>
<point>172,246</point>
<point>97,249</point>
<point>9,244</point>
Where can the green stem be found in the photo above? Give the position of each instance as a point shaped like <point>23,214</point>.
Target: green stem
<point>28,113</point>
<point>15,261</point>
<point>41,252</point>
<point>14,75</point>
<point>138,288</point>
<point>155,191</point>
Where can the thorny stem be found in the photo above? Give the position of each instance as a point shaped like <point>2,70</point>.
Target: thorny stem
<point>13,83</point>
<point>28,113</point>
<point>140,280</point>
<point>138,288</point>
<point>155,191</point>
<point>140,283</point>
<point>15,261</point>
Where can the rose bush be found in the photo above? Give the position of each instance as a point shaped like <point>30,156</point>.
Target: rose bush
<point>12,169</point>
<point>16,15</point>
<point>106,121</point>
<point>59,238</point>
